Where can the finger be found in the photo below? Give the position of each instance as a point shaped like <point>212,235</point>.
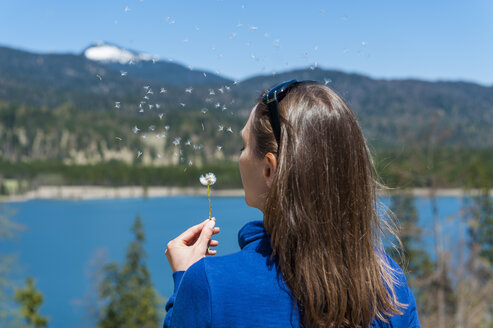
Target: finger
<point>211,252</point>
<point>192,232</point>
<point>206,234</point>
<point>213,243</point>
<point>216,230</point>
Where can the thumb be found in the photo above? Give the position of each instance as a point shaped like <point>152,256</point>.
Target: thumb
<point>206,233</point>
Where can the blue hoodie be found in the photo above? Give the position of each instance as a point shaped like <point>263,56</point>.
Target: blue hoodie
<point>244,289</point>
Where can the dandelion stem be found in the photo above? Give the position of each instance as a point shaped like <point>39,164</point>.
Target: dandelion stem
<point>210,208</point>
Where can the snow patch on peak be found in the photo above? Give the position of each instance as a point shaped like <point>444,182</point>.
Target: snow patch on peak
<point>110,53</point>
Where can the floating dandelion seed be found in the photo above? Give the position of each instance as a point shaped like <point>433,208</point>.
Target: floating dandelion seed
<point>219,148</point>
<point>205,74</point>
<point>176,142</point>
<point>163,90</point>
<point>235,82</point>
<point>224,108</point>
<point>211,92</point>
<point>185,40</point>
<point>150,92</point>
<point>136,129</point>
<point>131,62</point>
<point>204,110</point>
<point>127,9</point>
<point>147,87</point>
<point>152,127</point>
<point>122,73</point>
<point>188,90</point>
<point>161,116</point>
<point>117,104</point>
<point>158,106</point>
<point>139,153</point>
<point>190,67</point>
<point>146,97</point>
<point>188,142</point>
<point>239,25</point>
<point>166,127</point>
<point>227,88</point>
<point>118,138</point>
<point>217,105</point>
<point>182,104</point>
<point>151,106</point>
<point>221,90</point>
<point>158,155</point>
<point>252,28</point>
<point>99,77</point>
<point>229,130</point>
<point>327,81</point>
<point>190,163</point>
<point>220,128</point>
<point>144,136</point>
<point>363,43</point>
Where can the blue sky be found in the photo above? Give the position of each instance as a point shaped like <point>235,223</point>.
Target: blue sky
<point>430,40</point>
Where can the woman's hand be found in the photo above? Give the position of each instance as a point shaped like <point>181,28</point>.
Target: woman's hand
<point>191,246</point>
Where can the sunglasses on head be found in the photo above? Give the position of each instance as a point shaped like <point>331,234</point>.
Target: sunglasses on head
<point>272,98</point>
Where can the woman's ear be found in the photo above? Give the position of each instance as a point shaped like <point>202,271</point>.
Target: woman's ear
<point>270,165</point>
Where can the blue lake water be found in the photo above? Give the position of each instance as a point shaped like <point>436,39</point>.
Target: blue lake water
<point>62,238</point>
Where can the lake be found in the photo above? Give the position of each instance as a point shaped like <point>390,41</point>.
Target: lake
<point>63,241</point>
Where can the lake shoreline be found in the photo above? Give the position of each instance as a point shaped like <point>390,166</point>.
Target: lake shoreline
<point>100,192</point>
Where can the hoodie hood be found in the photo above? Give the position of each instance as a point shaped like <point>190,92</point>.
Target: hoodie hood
<point>250,232</point>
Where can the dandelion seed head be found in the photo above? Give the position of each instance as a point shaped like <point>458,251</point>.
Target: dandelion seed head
<point>208,179</point>
<point>117,104</point>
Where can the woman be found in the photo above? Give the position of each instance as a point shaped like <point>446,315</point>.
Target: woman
<point>316,259</point>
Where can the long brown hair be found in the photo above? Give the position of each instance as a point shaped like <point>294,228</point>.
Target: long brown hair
<point>322,211</point>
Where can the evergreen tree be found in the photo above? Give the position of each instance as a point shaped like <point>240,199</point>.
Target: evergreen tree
<point>127,292</point>
<point>415,260</point>
<point>9,314</point>
<point>30,300</point>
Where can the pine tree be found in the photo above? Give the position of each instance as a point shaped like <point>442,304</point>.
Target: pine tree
<point>30,300</point>
<point>127,292</point>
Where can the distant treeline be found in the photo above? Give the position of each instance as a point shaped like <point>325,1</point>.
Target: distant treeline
<point>440,168</point>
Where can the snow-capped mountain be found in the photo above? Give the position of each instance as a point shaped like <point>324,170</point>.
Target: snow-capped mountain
<point>109,53</point>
